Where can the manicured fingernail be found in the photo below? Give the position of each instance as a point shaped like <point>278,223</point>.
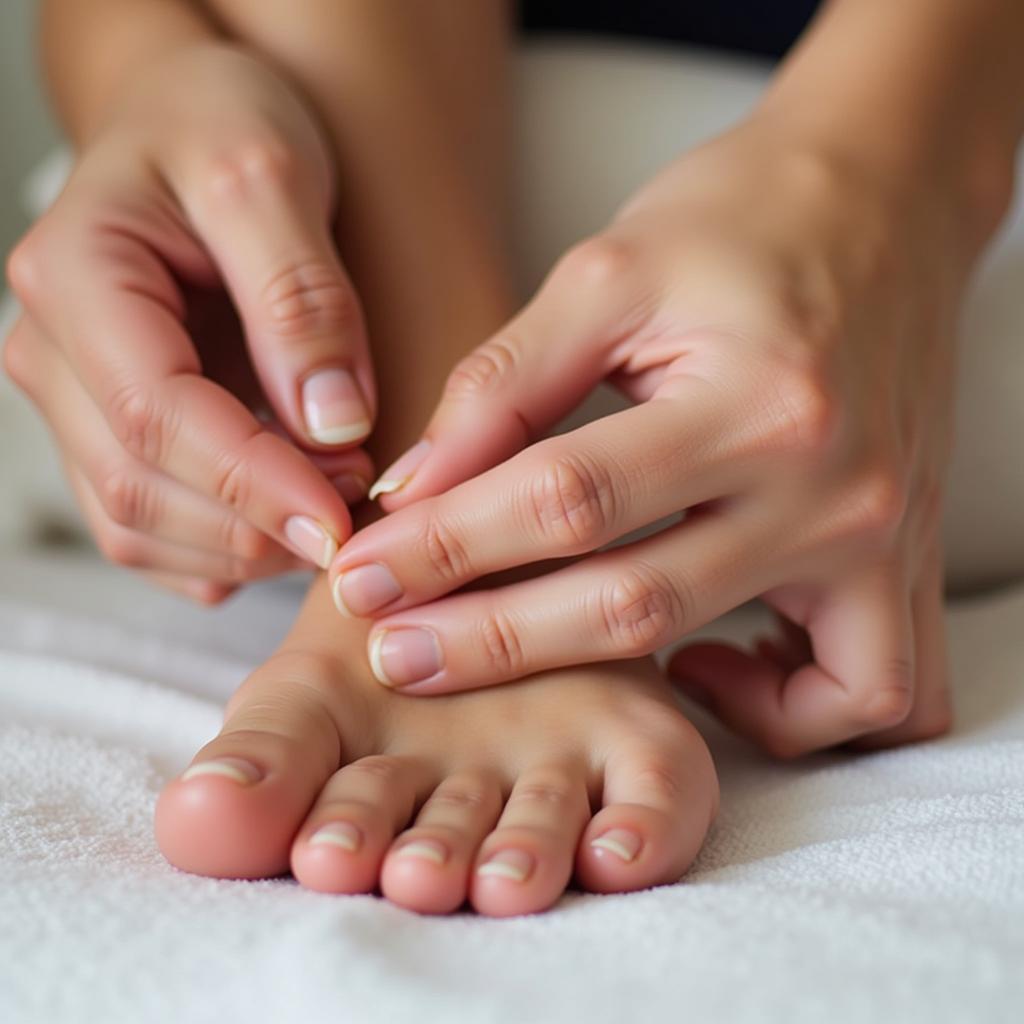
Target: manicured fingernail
<point>399,473</point>
<point>425,849</point>
<point>364,589</point>
<point>513,864</point>
<point>399,657</point>
<point>334,409</point>
<point>337,833</point>
<point>351,487</point>
<point>622,842</point>
<point>234,768</point>
<point>311,540</point>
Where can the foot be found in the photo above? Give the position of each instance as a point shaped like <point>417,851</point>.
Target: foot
<point>497,797</point>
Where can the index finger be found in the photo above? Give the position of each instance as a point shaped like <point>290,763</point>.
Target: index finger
<point>118,315</point>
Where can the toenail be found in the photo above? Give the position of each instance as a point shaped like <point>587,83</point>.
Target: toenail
<point>233,768</point>
<point>425,849</point>
<point>516,865</point>
<point>399,657</point>
<point>338,833</point>
<point>622,842</point>
<point>364,589</point>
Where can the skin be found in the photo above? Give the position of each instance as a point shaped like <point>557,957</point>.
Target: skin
<point>780,305</point>
<point>204,184</point>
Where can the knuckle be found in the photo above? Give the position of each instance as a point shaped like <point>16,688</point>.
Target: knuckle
<point>596,263</point>
<point>501,644</point>
<point>807,411</point>
<point>119,547</point>
<point>251,164</point>
<point>892,701</point>
<point>381,768</point>
<point>445,551</point>
<point>233,481</point>
<point>460,798</point>
<point>243,539</point>
<point>126,497</point>
<point>573,503</point>
<point>642,611</point>
<point>551,790</point>
<point>24,268</point>
<point>658,778</point>
<point>310,296</point>
<point>139,423</point>
<point>485,369</point>
<point>880,501</point>
<point>16,354</point>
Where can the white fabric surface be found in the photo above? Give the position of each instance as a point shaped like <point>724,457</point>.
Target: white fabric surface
<point>887,887</point>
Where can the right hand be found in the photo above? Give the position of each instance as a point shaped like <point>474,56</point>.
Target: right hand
<point>196,225</point>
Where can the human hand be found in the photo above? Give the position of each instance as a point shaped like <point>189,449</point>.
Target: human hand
<point>208,191</point>
<point>784,322</point>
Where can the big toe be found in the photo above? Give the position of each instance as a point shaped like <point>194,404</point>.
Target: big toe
<point>235,810</point>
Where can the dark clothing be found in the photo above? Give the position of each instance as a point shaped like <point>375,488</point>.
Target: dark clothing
<point>765,27</point>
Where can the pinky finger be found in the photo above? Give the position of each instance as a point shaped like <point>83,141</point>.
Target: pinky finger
<point>202,591</point>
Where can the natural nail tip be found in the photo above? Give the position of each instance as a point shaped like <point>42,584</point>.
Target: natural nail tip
<point>376,663</point>
<point>339,601</point>
<point>423,851</point>
<point>497,869</point>
<point>341,434</point>
<point>344,836</point>
<point>222,768</point>
<point>613,846</point>
<point>385,486</point>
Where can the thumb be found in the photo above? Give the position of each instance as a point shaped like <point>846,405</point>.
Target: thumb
<point>520,382</point>
<point>270,238</point>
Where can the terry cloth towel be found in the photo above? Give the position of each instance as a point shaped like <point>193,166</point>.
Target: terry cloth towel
<point>844,888</point>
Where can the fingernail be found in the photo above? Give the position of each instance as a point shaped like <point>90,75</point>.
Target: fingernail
<point>622,842</point>
<point>351,487</point>
<point>399,657</point>
<point>514,864</point>
<point>334,409</point>
<point>234,768</point>
<point>425,849</point>
<point>399,473</point>
<point>311,540</point>
<point>364,589</point>
<point>337,833</point>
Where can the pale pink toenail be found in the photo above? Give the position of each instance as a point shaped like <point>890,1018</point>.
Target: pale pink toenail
<point>622,842</point>
<point>515,865</point>
<point>424,849</point>
<point>233,768</point>
<point>338,833</point>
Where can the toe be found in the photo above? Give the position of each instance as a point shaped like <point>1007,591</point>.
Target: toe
<point>525,864</point>
<point>234,811</point>
<point>659,800</point>
<point>342,843</point>
<point>428,867</point>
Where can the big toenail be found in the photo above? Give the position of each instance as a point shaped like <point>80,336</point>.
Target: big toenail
<point>337,833</point>
<point>622,842</point>
<point>364,589</point>
<point>399,657</point>
<point>234,768</point>
<point>425,849</point>
<point>512,864</point>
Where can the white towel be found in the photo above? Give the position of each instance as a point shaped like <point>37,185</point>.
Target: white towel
<point>886,887</point>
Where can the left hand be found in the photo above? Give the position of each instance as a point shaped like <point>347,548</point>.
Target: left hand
<point>784,322</point>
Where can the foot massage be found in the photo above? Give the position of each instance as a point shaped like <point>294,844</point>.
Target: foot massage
<point>529,519</point>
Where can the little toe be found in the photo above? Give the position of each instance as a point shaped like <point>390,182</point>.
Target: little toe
<point>660,799</point>
<point>234,812</point>
<point>427,868</point>
<point>525,864</point>
<point>341,846</point>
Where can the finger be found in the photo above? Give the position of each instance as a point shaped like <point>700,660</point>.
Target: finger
<point>932,713</point>
<point>134,550</point>
<point>267,229</point>
<point>520,382</point>
<point>131,494</point>
<point>861,679</point>
<point>195,588</point>
<point>564,496</point>
<point>120,327</point>
<point>618,604</point>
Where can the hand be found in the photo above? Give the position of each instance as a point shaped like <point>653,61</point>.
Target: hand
<point>208,191</point>
<point>784,323</point>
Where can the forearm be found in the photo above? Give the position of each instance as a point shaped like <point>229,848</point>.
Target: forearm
<point>920,91</point>
<point>94,50</point>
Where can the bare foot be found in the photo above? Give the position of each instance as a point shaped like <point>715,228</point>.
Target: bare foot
<point>487,796</point>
